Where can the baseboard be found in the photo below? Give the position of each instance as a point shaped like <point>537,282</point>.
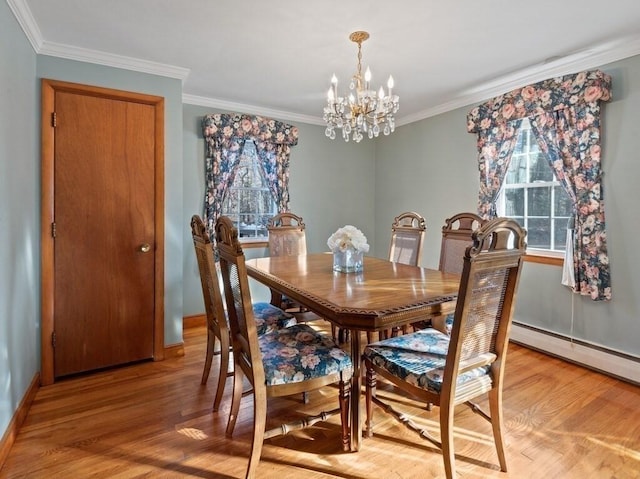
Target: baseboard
<point>9,437</point>
<point>194,321</point>
<point>614,363</point>
<point>174,351</point>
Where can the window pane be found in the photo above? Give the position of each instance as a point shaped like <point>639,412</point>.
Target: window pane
<point>517,172</point>
<point>521,142</point>
<point>540,169</point>
<point>230,202</point>
<point>563,205</point>
<point>267,205</point>
<point>539,201</point>
<point>249,199</point>
<point>560,234</point>
<point>539,233</point>
<point>514,202</point>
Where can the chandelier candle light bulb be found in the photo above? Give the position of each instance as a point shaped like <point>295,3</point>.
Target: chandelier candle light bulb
<point>364,111</point>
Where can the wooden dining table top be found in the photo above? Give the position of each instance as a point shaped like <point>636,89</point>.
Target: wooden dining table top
<point>383,295</point>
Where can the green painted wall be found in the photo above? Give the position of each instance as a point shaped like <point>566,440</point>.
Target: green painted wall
<point>430,166</point>
<point>19,216</point>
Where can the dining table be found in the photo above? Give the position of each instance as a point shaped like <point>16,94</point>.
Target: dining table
<point>382,296</point>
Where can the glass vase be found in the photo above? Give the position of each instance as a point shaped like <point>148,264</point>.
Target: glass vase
<point>348,261</point>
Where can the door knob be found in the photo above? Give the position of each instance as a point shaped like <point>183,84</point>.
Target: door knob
<point>145,248</point>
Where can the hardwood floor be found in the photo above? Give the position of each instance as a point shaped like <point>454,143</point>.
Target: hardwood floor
<point>154,420</point>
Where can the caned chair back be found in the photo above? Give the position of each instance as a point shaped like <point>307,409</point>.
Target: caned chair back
<point>286,235</point>
<point>244,336</point>
<point>407,237</point>
<point>456,237</point>
<point>484,307</point>
<point>449,370</point>
<point>214,307</point>
<point>217,328</point>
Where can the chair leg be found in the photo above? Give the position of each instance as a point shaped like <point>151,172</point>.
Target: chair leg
<point>211,345</point>
<point>235,401</point>
<point>259,423</point>
<point>495,408</point>
<point>343,335</point>
<point>222,373</point>
<point>446,438</point>
<point>370,394</point>
<point>344,399</point>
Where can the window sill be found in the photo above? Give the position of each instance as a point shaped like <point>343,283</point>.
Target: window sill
<point>254,244</point>
<point>542,258</point>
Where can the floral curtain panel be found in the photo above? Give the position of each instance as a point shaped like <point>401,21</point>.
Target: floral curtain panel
<point>225,136</point>
<point>565,117</point>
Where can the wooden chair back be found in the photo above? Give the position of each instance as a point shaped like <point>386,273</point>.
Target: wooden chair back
<point>244,335</point>
<point>287,235</point>
<point>407,237</point>
<point>217,328</point>
<point>300,339</point>
<point>484,307</point>
<point>456,237</point>
<point>450,370</point>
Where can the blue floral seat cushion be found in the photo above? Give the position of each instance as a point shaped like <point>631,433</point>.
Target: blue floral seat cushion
<point>419,358</point>
<point>271,318</point>
<point>298,353</point>
<point>448,323</point>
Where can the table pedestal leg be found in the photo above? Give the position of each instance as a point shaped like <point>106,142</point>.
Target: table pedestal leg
<point>356,388</point>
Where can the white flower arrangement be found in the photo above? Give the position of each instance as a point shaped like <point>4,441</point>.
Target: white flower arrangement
<point>346,238</point>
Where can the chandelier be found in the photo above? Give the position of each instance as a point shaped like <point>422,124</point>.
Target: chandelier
<point>364,112</point>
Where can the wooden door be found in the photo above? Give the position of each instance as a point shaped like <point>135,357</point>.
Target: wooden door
<point>104,230</point>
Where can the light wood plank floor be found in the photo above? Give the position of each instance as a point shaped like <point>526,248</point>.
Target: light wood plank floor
<point>154,420</point>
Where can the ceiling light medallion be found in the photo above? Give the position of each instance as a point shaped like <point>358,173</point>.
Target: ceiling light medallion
<point>364,112</point>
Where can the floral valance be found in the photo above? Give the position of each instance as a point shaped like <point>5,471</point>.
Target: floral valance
<point>534,100</point>
<point>219,127</point>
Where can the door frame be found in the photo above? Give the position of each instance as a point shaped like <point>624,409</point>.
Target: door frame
<point>48,91</point>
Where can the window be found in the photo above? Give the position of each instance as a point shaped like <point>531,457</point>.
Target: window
<point>534,197</point>
<point>248,202</point>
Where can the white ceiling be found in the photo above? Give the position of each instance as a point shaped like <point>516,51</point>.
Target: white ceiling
<point>276,58</point>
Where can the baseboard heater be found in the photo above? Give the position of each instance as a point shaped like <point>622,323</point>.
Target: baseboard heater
<point>608,361</point>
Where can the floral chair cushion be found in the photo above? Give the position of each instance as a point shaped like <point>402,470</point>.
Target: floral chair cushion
<point>448,323</point>
<point>271,318</point>
<point>418,358</point>
<point>298,353</point>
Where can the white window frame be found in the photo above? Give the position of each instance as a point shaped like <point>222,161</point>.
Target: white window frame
<point>530,150</point>
<point>238,214</point>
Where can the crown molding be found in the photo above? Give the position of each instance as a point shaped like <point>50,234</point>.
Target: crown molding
<point>592,57</point>
<point>28,24</point>
<point>117,61</point>
<point>252,109</point>
<point>582,60</point>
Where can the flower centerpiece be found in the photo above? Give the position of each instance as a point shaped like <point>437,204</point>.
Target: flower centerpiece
<point>348,245</point>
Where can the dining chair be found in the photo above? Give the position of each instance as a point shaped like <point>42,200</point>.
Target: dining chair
<point>280,363</point>
<point>407,237</point>
<point>287,237</point>
<point>456,237</point>
<point>444,370</point>
<point>268,317</point>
